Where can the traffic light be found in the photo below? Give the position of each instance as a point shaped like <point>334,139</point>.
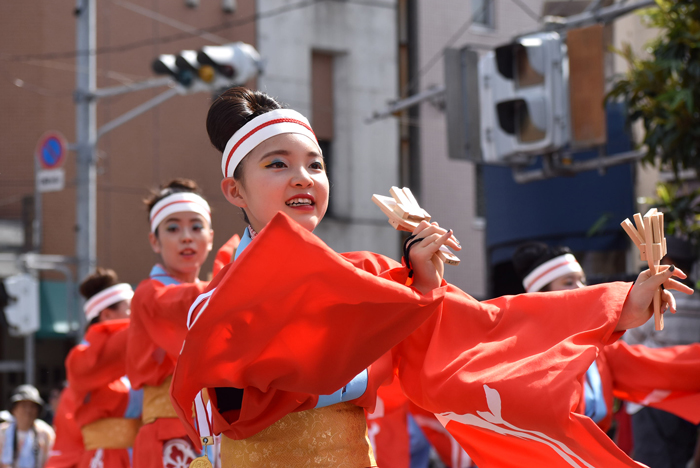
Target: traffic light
<point>524,98</point>
<point>238,61</point>
<point>21,298</point>
<point>213,67</point>
<point>166,64</point>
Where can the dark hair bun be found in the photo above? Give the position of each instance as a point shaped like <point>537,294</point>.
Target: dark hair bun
<point>101,279</point>
<point>174,186</point>
<point>529,256</point>
<point>233,109</point>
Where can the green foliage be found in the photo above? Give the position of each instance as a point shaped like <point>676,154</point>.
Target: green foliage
<point>681,207</point>
<point>664,90</point>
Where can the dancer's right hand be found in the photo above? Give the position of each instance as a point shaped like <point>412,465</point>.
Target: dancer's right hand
<point>428,269</point>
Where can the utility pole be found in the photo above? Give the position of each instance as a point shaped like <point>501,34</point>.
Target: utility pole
<point>86,138</point>
<point>243,60</point>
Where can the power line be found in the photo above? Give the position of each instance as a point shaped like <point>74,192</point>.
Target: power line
<point>435,58</point>
<point>527,10</point>
<point>198,32</point>
<point>438,55</point>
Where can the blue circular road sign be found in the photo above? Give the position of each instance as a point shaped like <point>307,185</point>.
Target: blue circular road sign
<point>51,150</point>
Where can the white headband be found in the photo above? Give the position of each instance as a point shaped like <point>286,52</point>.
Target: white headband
<point>259,129</point>
<point>107,297</point>
<point>551,270</point>
<point>177,203</point>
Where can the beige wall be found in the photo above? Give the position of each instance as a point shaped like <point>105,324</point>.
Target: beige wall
<point>448,187</point>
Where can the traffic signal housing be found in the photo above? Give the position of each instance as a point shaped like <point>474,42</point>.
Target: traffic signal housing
<point>212,67</point>
<point>21,304</point>
<point>525,98</point>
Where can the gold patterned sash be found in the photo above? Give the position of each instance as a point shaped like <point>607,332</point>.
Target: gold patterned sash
<point>156,402</point>
<point>331,437</point>
<point>110,433</point>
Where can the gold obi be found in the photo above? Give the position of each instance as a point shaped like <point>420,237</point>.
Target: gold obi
<point>110,433</point>
<point>334,437</point>
<point>156,402</point>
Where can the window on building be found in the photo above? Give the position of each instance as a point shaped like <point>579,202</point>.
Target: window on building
<point>322,109</point>
<point>483,13</point>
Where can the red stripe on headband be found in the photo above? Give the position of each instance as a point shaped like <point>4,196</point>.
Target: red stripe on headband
<point>260,127</point>
<point>558,265</point>
<point>108,296</point>
<point>172,203</point>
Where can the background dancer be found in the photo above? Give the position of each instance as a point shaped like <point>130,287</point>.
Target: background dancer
<point>292,328</point>
<point>181,235</point>
<point>109,410</point>
<point>620,369</point>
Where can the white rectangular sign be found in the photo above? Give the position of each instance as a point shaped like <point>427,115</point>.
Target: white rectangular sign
<point>50,180</point>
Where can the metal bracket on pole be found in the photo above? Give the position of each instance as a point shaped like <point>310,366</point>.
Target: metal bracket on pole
<point>397,106</point>
<point>139,86</point>
<point>136,111</point>
<point>598,15</point>
<point>553,167</point>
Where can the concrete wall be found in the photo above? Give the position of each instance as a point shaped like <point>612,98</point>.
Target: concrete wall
<point>364,160</point>
<point>448,187</point>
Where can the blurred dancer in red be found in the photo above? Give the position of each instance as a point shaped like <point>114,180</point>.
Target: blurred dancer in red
<point>68,448</point>
<point>181,235</point>
<point>660,377</point>
<point>108,410</point>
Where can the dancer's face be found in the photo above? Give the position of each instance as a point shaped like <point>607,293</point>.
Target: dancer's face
<point>184,240</point>
<point>284,173</point>
<point>574,280</point>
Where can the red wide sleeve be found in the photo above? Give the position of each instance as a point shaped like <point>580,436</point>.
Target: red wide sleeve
<point>504,375</point>
<point>163,312</point>
<point>289,320</point>
<point>665,378</point>
<point>99,359</point>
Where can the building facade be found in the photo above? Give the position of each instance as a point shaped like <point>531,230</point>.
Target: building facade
<point>334,61</point>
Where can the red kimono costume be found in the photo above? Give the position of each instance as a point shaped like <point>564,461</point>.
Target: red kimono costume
<point>68,448</point>
<point>158,327</point>
<point>503,376</point>
<point>663,378</point>
<point>388,427</point>
<point>449,450</point>
<point>109,410</point>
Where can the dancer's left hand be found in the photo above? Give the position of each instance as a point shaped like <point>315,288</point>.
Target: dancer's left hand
<point>638,307</point>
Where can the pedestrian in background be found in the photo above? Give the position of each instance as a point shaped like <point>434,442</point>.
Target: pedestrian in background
<point>25,441</point>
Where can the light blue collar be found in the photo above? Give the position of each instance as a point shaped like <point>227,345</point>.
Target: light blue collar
<point>596,409</point>
<point>158,273</point>
<point>245,241</point>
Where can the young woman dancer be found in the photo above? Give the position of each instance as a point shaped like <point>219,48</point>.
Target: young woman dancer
<point>109,411</point>
<point>292,339</point>
<point>182,236</point>
<point>665,378</point>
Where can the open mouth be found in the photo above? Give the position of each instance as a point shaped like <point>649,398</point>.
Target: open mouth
<point>299,201</point>
<point>187,252</point>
